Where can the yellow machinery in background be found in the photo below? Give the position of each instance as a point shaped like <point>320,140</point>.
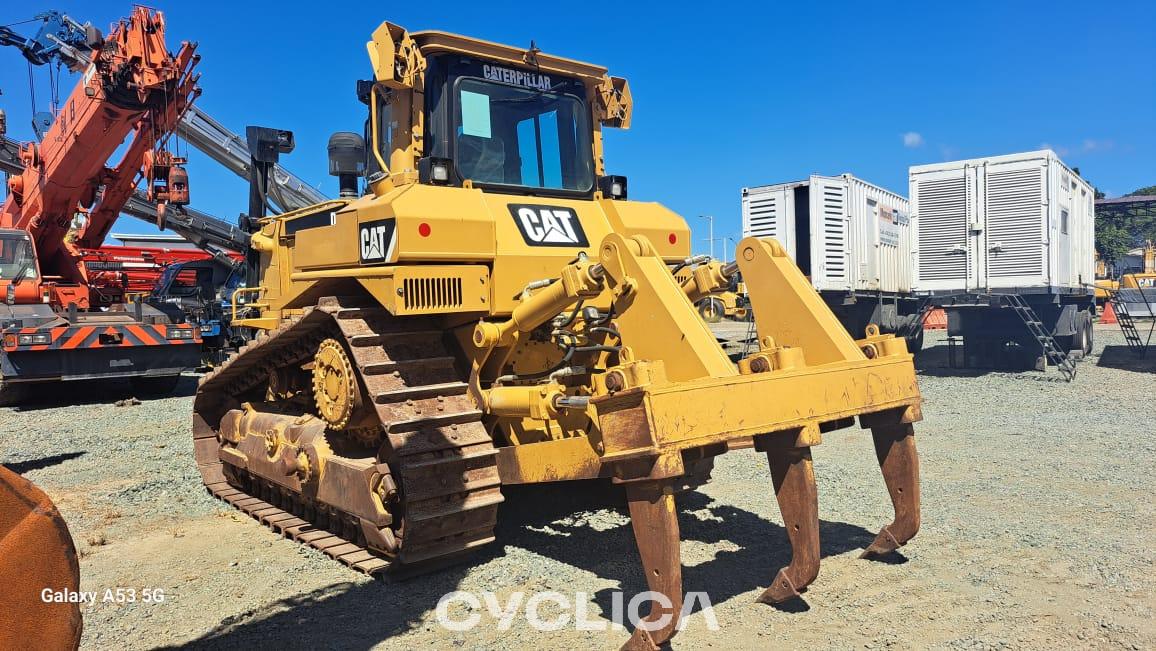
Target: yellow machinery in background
<point>728,304</point>
<point>1132,278</point>
<point>1145,277</point>
<point>1104,285</point>
<point>729,301</point>
<point>493,310</point>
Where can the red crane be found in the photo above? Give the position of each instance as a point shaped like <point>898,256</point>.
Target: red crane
<point>67,198</point>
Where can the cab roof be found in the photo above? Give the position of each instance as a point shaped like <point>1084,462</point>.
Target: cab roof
<point>434,42</point>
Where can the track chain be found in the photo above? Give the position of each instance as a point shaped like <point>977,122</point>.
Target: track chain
<point>438,452</point>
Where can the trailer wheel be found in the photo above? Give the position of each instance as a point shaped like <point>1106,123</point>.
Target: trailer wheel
<point>1089,330</point>
<point>154,386</point>
<point>711,310</point>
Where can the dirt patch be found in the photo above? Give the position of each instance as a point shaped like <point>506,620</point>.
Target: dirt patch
<point>1037,532</point>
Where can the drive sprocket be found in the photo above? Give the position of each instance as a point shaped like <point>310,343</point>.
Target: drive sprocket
<point>335,388</point>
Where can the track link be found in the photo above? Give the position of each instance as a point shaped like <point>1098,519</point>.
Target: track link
<point>435,448</point>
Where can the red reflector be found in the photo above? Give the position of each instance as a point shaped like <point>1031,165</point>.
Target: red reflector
<point>423,230</point>
<point>673,238</point>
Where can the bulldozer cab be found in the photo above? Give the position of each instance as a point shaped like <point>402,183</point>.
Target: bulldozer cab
<point>510,130</point>
<point>463,112</point>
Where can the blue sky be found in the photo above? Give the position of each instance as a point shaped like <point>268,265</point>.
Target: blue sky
<point>737,96</point>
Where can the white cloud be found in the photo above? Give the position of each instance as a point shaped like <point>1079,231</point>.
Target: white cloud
<point>1089,145</point>
<point>912,139</point>
<point>1097,145</point>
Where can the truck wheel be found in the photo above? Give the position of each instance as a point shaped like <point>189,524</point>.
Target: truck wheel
<point>1089,333</point>
<point>154,386</point>
<point>711,310</point>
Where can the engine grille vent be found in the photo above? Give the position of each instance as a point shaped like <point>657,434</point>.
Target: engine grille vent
<point>432,293</point>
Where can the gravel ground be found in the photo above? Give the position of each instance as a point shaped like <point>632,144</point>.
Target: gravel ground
<point>1038,522</point>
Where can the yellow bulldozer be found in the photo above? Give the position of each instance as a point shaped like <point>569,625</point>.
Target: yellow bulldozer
<point>492,310</point>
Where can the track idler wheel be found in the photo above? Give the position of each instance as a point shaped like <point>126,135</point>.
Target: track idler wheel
<point>793,476</point>
<point>895,449</point>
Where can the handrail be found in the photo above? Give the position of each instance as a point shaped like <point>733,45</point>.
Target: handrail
<point>244,290</point>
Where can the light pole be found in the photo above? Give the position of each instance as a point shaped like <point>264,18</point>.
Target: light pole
<point>710,222</point>
<point>734,243</point>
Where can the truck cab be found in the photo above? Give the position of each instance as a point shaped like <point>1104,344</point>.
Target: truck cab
<point>19,273</point>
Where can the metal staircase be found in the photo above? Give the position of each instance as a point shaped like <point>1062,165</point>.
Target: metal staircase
<point>1128,324</point>
<point>1052,352</point>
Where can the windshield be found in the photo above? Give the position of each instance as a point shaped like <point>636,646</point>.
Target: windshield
<point>16,257</point>
<point>505,135</point>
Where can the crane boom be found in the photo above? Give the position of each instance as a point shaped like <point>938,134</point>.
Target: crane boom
<point>62,38</point>
<point>210,233</point>
<point>287,190</point>
<point>59,37</point>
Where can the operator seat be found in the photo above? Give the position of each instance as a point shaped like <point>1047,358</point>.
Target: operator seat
<point>481,159</point>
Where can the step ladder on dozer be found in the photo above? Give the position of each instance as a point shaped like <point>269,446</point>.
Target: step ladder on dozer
<point>1053,354</point>
<point>1128,324</point>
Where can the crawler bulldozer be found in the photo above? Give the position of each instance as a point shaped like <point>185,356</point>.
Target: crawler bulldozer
<point>484,306</point>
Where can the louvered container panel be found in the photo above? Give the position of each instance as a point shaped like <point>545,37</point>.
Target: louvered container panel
<point>941,224</point>
<point>846,234</point>
<point>1016,219</point>
<point>768,212</point>
<point>829,226</point>
<point>1002,223</point>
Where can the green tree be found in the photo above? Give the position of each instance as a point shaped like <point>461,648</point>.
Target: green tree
<point>1112,240</point>
<point>1116,235</point>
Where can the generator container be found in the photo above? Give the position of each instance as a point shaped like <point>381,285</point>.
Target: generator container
<point>853,239</point>
<point>1015,222</point>
<point>996,232</point>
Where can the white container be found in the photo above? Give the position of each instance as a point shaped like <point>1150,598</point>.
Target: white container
<point>844,233</point>
<point>1003,223</point>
